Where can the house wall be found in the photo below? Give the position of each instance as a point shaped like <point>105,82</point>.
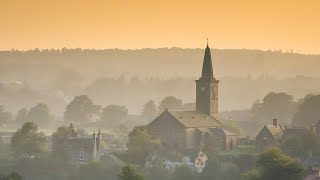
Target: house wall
<point>169,130</point>
<point>265,140</point>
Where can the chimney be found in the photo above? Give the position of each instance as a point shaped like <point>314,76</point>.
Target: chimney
<point>275,122</point>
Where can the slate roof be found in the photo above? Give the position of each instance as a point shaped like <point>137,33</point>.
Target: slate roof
<point>195,119</point>
<point>276,131</point>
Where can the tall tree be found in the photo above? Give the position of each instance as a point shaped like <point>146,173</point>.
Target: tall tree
<point>113,115</point>
<point>149,111</point>
<point>81,109</point>
<point>65,132</point>
<point>5,116</point>
<point>27,141</point>
<point>21,116</point>
<point>270,106</point>
<point>308,111</point>
<point>171,103</point>
<point>40,114</point>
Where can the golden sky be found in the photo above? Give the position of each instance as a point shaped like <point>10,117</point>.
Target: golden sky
<point>135,24</point>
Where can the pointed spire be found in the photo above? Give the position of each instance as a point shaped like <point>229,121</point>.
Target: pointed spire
<point>207,71</point>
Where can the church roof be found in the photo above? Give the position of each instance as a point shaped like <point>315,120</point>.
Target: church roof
<point>195,119</point>
<point>207,71</point>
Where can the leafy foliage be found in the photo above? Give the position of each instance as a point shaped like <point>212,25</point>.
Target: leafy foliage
<point>276,165</point>
<point>113,115</point>
<point>27,141</point>
<point>65,132</point>
<point>5,116</point>
<point>301,147</point>
<point>81,109</point>
<point>140,144</point>
<point>130,173</point>
<point>308,112</point>
<point>269,107</point>
<point>40,114</point>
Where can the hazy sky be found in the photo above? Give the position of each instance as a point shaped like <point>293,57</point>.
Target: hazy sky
<point>252,24</point>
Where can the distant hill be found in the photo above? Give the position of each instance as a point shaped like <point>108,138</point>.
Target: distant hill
<point>131,77</point>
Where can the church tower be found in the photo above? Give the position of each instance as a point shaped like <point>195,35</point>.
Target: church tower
<point>207,88</point>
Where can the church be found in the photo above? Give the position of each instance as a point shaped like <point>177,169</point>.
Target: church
<point>187,130</point>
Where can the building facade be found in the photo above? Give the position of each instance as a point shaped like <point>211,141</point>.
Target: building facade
<point>187,130</point>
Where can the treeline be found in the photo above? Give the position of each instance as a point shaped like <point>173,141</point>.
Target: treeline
<point>132,77</point>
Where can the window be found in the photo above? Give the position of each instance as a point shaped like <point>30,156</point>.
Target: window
<point>81,155</point>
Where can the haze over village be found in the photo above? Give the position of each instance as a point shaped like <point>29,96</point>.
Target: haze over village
<point>163,90</point>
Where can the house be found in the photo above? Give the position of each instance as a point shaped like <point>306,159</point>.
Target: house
<point>269,136</point>
<point>187,130</point>
<point>79,150</point>
<point>294,132</point>
<point>228,139</point>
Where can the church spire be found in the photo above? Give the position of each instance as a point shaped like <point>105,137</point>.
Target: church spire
<point>207,71</point>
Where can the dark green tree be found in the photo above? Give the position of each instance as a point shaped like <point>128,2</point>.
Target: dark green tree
<point>140,145</point>
<point>65,132</point>
<point>276,165</point>
<point>81,109</point>
<point>130,173</point>
<point>27,141</point>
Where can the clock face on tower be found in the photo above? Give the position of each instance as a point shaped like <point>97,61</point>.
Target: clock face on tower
<point>203,88</point>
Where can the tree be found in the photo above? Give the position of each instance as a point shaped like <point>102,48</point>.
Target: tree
<point>5,116</point>
<point>81,109</point>
<point>276,165</point>
<point>308,112</point>
<point>40,114</point>
<point>140,144</point>
<point>129,173</point>
<point>149,111</point>
<point>301,146</point>
<point>65,132</point>
<point>269,107</point>
<point>251,175</point>
<point>171,103</point>
<point>27,141</point>
<point>114,115</point>
<point>21,116</point>
<point>11,176</point>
